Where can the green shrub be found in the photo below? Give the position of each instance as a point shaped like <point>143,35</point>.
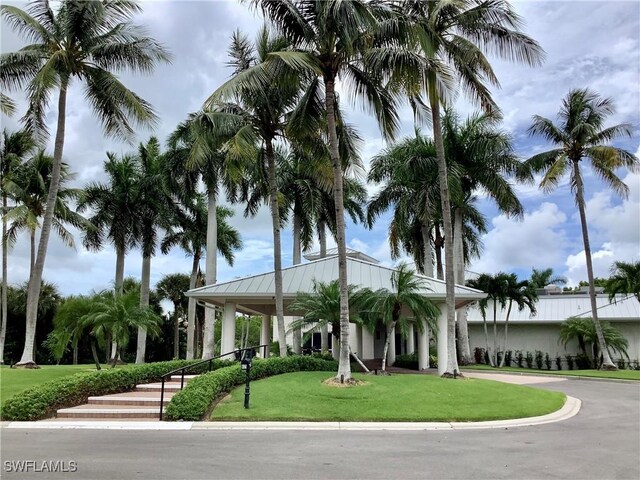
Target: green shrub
<point>409,361</point>
<point>538,358</point>
<point>569,361</point>
<point>194,401</point>
<point>583,362</point>
<point>558,362</point>
<point>547,361</point>
<point>43,400</point>
<point>528,358</point>
<point>519,358</point>
<point>508,358</point>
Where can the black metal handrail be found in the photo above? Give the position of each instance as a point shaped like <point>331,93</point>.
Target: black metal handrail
<point>237,353</point>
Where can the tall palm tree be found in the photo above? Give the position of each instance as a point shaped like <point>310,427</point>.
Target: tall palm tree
<point>542,278</point>
<point>329,41</point>
<point>407,294</point>
<point>191,236</point>
<point>85,41</point>
<point>625,278</point>
<point>14,150</point>
<point>172,287</point>
<point>523,295</point>
<point>453,37</point>
<point>581,135</point>
<point>195,154</point>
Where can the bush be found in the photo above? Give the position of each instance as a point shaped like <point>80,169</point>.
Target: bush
<point>194,401</point>
<point>547,361</point>
<point>478,355</point>
<point>43,400</point>
<point>582,362</point>
<point>569,361</point>
<point>409,361</point>
<point>529,359</point>
<point>433,361</point>
<point>508,357</point>
<point>519,358</point>
<point>538,358</point>
<point>621,363</point>
<point>558,363</point>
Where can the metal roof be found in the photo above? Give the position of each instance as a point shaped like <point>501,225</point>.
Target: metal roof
<point>257,292</point>
<point>333,252</point>
<point>557,308</point>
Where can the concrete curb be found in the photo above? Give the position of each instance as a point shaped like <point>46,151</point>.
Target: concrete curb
<point>570,408</point>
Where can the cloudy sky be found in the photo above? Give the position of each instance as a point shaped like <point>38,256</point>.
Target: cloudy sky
<point>588,44</point>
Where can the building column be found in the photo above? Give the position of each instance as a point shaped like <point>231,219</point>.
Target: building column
<point>358,342</point>
<point>442,339</point>
<point>367,345</point>
<point>423,348</point>
<point>411,340</point>
<point>228,343</point>
<point>265,334</point>
<point>324,338</point>
<point>391,354</point>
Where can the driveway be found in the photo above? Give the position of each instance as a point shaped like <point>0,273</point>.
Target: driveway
<point>601,442</point>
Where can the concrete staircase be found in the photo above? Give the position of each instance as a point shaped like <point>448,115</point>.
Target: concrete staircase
<point>141,404</point>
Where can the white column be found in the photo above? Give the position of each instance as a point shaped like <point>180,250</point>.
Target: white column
<point>358,345</point>
<point>391,354</point>
<point>228,343</point>
<point>324,338</point>
<point>442,339</point>
<point>367,345</point>
<point>411,340</point>
<point>423,348</point>
<point>265,334</point>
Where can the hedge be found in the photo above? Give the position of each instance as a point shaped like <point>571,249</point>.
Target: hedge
<point>194,401</point>
<point>43,400</point>
<point>410,361</point>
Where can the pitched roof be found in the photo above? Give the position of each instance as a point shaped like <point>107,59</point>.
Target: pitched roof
<point>333,252</point>
<point>260,289</point>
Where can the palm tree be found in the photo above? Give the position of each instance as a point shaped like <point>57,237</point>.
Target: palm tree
<point>86,41</point>
<point>329,42</point>
<point>7,105</point>
<point>191,236</point>
<point>407,294</point>
<point>544,277</point>
<point>581,135</point>
<point>625,278</point>
<point>453,38</point>
<point>172,287</point>
<point>14,149</point>
<point>584,331</point>
<point>524,295</point>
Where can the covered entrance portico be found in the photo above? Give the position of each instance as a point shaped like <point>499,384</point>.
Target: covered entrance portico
<point>254,295</point>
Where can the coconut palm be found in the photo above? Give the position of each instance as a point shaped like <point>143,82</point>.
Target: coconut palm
<point>407,295</point>
<point>625,278</point>
<point>172,287</point>
<point>14,150</point>
<point>28,187</point>
<point>84,41</point>
<point>523,295</point>
<point>7,105</point>
<point>191,236</point>
<point>544,277</point>
<point>584,331</point>
<point>453,37</point>
<point>580,134</point>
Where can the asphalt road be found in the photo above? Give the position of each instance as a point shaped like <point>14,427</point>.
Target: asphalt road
<point>601,442</point>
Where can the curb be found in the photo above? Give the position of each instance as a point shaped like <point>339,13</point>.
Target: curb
<point>570,408</point>
<point>550,375</point>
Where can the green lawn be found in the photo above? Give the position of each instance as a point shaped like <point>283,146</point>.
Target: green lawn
<point>302,396</point>
<point>14,380</point>
<point>619,374</point>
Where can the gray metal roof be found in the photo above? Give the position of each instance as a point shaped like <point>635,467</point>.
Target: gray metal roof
<point>557,308</point>
<point>257,292</point>
<point>333,252</point>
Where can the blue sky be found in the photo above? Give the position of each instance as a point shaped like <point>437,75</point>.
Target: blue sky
<point>588,44</point>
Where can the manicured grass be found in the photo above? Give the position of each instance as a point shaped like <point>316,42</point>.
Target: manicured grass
<point>619,374</point>
<point>15,380</point>
<point>302,396</point>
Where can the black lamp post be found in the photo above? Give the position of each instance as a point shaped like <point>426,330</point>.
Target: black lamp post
<point>245,364</point>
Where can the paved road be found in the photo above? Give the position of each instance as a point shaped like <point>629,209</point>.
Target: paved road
<point>601,442</point>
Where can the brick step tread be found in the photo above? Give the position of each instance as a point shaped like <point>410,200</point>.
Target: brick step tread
<point>153,386</point>
<point>109,408</point>
<point>103,419</point>
<point>135,393</point>
<point>131,400</point>
<point>114,415</point>
<point>177,378</point>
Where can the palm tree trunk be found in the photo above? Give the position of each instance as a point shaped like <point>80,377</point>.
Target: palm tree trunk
<point>452,362</point>
<point>438,248</point>
<point>463,330</point>
<point>144,303</point>
<point>607,364</point>
<point>486,337</point>
<point>344,365</point>
<point>494,354</point>
<point>209,340</point>
<point>176,331</point>
<point>94,353</point>
<point>5,279</point>
<point>322,239</point>
<point>277,249</point>
<point>35,282</point>
<point>112,346</point>
<point>75,354</point>
<point>427,268</point>
<point>390,337</point>
<point>297,258</point>
<point>191,309</point>
<point>506,333</point>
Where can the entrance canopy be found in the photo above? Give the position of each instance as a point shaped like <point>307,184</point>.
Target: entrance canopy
<point>256,294</point>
